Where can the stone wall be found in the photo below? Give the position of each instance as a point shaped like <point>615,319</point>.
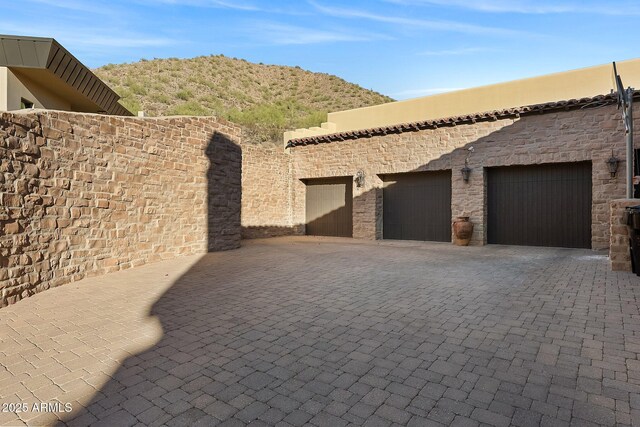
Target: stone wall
<point>266,191</point>
<point>84,194</point>
<point>568,136</point>
<point>619,255</point>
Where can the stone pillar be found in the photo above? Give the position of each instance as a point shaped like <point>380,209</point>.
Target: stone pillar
<point>367,211</point>
<point>619,237</point>
<point>468,198</point>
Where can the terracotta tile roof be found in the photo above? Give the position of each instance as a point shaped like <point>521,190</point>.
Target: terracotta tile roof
<point>572,104</point>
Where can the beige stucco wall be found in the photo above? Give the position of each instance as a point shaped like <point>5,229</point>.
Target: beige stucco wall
<point>16,86</point>
<point>3,89</point>
<point>568,136</point>
<point>574,84</point>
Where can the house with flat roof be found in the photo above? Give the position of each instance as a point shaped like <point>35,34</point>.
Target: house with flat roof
<point>573,84</point>
<point>38,72</point>
<point>532,162</point>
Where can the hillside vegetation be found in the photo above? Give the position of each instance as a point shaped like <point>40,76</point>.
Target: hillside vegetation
<point>265,99</point>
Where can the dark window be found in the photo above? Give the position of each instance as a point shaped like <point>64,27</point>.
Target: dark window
<point>25,103</point>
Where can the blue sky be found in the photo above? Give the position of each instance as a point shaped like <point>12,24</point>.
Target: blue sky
<point>402,48</point>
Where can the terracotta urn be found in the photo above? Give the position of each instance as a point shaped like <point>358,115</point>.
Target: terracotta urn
<point>462,231</point>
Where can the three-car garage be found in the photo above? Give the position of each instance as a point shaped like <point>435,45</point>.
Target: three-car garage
<point>529,205</point>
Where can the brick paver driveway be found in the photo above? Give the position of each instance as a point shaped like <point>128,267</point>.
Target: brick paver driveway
<point>332,332</point>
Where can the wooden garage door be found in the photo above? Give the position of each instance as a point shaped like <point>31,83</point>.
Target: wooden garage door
<point>417,206</point>
<point>540,205</point>
<point>329,207</point>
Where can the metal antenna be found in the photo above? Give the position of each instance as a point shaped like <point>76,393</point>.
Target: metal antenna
<point>625,102</point>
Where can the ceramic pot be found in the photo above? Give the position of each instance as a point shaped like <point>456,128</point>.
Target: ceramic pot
<point>462,231</point>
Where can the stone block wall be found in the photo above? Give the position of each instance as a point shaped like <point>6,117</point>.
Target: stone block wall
<point>619,255</point>
<point>83,194</point>
<point>567,136</point>
<point>266,191</point>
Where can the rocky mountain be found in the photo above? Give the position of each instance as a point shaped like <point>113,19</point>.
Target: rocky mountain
<point>265,99</point>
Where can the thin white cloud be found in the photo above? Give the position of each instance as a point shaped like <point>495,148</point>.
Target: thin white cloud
<point>122,42</point>
<point>533,7</point>
<point>281,34</point>
<point>438,25</point>
<point>455,52</point>
<point>234,5</point>
<point>92,7</point>
<point>99,38</point>
<point>411,93</point>
<point>223,4</point>
<point>243,6</point>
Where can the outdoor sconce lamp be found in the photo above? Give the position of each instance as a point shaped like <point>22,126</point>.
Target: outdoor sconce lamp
<point>612,164</point>
<point>466,171</point>
<point>359,179</point>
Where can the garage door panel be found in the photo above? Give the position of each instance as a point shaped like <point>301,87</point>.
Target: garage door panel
<point>417,206</point>
<point>540,205</point>
<point>329,207</point>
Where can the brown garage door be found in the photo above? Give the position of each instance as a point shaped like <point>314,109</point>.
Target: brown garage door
<point>541,205</point>
<point>329,207</point>
<point>417,206</point>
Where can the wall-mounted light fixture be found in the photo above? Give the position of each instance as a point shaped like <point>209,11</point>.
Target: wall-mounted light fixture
<point>612,164</point>
<point>466,170</point>
<point>359,179</point>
